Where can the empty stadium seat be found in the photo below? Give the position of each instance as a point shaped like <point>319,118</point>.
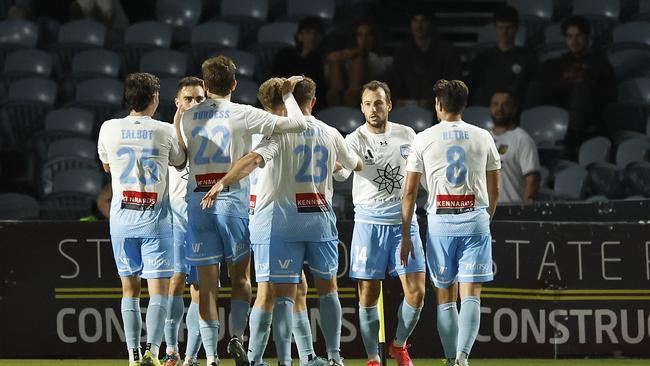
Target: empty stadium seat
<point>79,147</point>
<point>419,119</point>
<point>634,91</point>
<point>534,15</point>
<point>604,179</point>
<point>95,63</point>
<point>597,198</point>
<point>144,37</point>
<point>602,14</point>
<point>103,97</point>
<point>545,124</point>
<point>264,54</point>
<point>245,62</point>
<point>632,32</point>
<point>181,15</point>
<point>478,116</point>
<point>637,179</point>
<point>629,63</point>
<point>61,124</point>
<point>74,37</point>
<point>16,34</point>
<point>79,181</point>
<point>257,9</point>
<point>345,119</point>
<point>298,9</point>
<point>26,63</point>
<point>282,32</point>
<point>594,150</point>
<point>246,92</point>
<point>209,39</point>
<point>164,63</point>
<point>167,107</point>
<point>631,151</point>
<point>66,205</point>
<point>571,183</point>
<point>53,167</point>
<point>16,206</point>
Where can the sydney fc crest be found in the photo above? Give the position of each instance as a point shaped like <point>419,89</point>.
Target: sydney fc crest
<point>405,150</point>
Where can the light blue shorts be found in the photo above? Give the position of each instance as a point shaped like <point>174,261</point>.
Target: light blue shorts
<point>375,251</point>
<point>281,262</point>
<point>459,259</point>
<point>213,238</point>
<point>146,257</point>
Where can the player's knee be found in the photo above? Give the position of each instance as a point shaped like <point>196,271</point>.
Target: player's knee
<point>324,287</point>
<point>415,296</point>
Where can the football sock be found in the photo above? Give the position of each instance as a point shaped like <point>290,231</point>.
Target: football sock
<point>134,354</point>
<point>210,336</point>
<point>302,335</point>
<point>369,324</point>
<point>132,319</point>
<point>260,329</point>
<point>469,320</point>
<point>282,324</point>
<point>330,311</point>
<point>408,317</point>
<point>193,331</point>
<point>239,311</point>
<point>173,323</point>
<point>155,320</point>
<point>448,328</point>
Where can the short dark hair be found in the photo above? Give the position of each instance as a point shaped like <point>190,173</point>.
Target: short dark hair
<point>304,91</point>
<point>424,10</point>
<point>139,90</point>
<point>374,85</point>
<point>219,74</point>
<point>452,95</point>
<point>310,22</point>
<point>579,22</point>
<point>510,93</point>
<point>507,14</point>
<point>188,81</point>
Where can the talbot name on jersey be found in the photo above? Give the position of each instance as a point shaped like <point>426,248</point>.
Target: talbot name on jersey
<point>140,201</point>
<point>311,202</point>
<point>211,114</point>
<point>205,181</point>
<point>137,134</point>
<point>455,135</point>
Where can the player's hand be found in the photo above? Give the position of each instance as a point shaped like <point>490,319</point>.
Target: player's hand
<point>337,167</point>
<point>178,116</point>
<point>208,199</point>
<point>290,83</point>
<point>405,250</point>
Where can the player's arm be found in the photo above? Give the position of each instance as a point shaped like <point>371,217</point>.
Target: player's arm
<point>242,168</point>
<point>106,167</point>
<point>493,190</point>
<point>409,197</point>
<point>101,150</point>
<point>531,188</point>
<point>295,121</point>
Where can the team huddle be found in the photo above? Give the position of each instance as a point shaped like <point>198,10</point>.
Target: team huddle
<point>190,195</point>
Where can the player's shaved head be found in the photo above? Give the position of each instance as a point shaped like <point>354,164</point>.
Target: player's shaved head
<point>305,92</point>
<point>140,89</point>
<point>270,93</point>
<point>219,75</point>
<point>452,95</point>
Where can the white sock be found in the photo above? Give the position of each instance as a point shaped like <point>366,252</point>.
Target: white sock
<point>171,349</point>
<point>461,358</point>
<point>154,350</point>
<point>211,359</point>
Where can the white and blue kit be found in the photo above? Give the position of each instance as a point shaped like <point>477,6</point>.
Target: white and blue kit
<point>377,197</point>
<point>177,191</point>
<point>454,158</point>
<point>218,133</point>
<point>292,220</point>
<point>138,150</point>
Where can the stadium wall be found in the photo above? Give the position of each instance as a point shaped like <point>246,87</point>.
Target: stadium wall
<point>562,289</point>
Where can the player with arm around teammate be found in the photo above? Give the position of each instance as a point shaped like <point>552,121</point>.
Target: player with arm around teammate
<point>460,164</point>
<point>217,133</point>
<point>377,196</point>
<point>294,221</point>
<point>136,150</point>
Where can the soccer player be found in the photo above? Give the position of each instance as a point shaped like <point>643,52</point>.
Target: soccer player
<point>377,196</point>
<point>218,133</point>
<point>136,150</point>
<point>270,96</point>
<point>189,93</point>
<point>294,221</point>
<point>461,165</point>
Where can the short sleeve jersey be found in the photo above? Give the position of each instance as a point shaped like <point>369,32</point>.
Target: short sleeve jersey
<point>177,192</point>
<point>138,151</point>
<point>293,200</point>
<point>454,158</point>
<point>377,189</point>
<point>217,134</point>
<point>518,158</point>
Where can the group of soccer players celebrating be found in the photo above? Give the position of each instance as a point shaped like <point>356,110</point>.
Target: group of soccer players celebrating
<point>189,196</point>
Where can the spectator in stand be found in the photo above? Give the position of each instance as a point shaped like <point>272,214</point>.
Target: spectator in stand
<point>519,159</point>
<point>581,81</point>
<point>504,66</point>
<point>350,68</point>
<point>305,58</point>
<point>420,62</point>
<point>108,12</point>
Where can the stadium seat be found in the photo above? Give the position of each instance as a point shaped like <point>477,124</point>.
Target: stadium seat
<point>597,198</point>
<point>80,180</point>
<point>53,167</point>
<point>553,34</point>
<point>547,125</point>
<point>644,11</point>
<point>632,151</point>
<point>594,150</point>
<point>245,62</point>
<point>298,9</point>
<point>26,63</point>
<point>67,205</point>
<point>282,32</point>
<point>345,119</point>
<point>209,39</point>
<point>74,37</point>
<point>180,15</point>
<point>257,9</point>
<point>543,176</point>
<point>602,14</point>
<point>535,15</point>
<point>246,92</point>
<point>103,97</point>
<point>24,111</point>
<point>571,183</point>
<point>629,63</point>
<point>419,119</point>
<point>478,116</point>
<point>16,206</point>
<point>632,32</point>
<point>634,91</point>
<point>637,179</point>
<point>167,107</point>
<point>79,147</point>
<point>61,124</point>
<point>164,63</point>
<point>264,55</point>
<point>604,179</point>
<point>95,63</point>
<point>625,116</point>
<point>16,34</point>
<point>144,37</point>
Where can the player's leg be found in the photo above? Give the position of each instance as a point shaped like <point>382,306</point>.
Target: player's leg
<point>475,267</point>
<point>262,311</point>
<point>236,238</point>
<point>443,268</point>
<point>323,262</point>
<point>208,313</point>
<point>176,308</point>
<point>368,264</point>
<point>412,278</point>
<point>157,255</point>
<point>128,260</point>
<point>192,321</point>
<point>301,327</point>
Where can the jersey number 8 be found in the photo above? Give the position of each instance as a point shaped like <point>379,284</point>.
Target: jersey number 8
<point>456,170</point>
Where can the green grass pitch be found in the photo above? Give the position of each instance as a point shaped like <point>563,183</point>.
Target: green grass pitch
<point>416,362</point>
